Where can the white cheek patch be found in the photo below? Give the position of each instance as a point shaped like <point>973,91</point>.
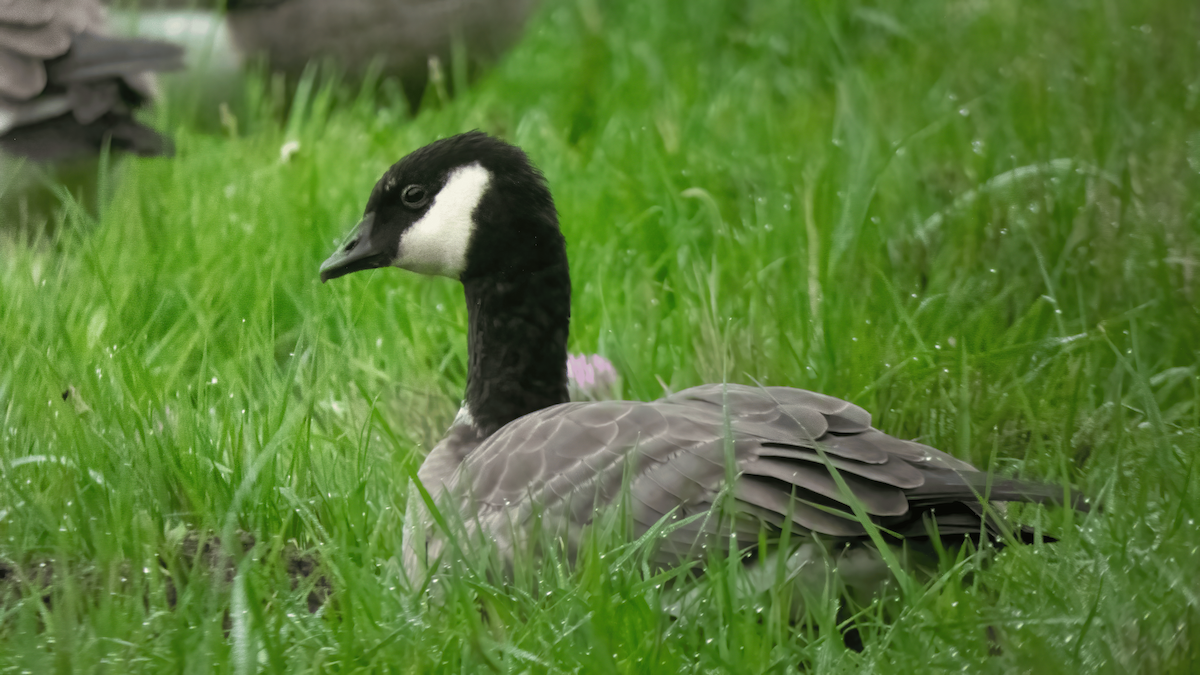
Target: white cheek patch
<point>437,243</point>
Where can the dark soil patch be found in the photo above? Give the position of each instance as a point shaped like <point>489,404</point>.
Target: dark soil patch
<point>199,556</point>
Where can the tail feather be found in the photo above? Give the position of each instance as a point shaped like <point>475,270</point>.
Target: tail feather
<point>943,486</point>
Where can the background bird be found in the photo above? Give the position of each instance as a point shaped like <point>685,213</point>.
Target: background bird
<point>67,87</point>
<point>397,36</point>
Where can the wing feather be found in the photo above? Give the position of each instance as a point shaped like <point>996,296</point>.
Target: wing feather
<point>768,496</point>
<point>880,499</point>
<point>21,76</point>
<point>894,472</point>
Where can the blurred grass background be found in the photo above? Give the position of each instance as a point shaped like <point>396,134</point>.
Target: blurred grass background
<point>977,219</point>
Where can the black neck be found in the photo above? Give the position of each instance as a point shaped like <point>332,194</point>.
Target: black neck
<point>517,344</point>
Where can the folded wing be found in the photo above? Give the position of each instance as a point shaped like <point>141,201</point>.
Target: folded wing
<point>790,454</point>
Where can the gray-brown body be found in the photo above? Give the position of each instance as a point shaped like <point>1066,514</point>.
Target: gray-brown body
<point>781,446</point>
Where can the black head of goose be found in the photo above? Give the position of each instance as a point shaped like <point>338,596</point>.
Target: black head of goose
<point>473,208</point>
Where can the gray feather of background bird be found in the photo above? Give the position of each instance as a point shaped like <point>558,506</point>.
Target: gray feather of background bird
<point>67,87</point>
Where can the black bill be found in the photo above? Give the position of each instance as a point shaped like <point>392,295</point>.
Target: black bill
<point>360,251</point>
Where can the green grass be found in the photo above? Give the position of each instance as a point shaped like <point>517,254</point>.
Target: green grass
<point>979,220</point>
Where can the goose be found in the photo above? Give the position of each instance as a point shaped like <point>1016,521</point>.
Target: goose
<point>67,88</point>
<point>474,208</point>
<point>398,36</point>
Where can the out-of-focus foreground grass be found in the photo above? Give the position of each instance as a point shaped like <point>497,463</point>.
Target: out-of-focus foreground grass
<point>979,220</point>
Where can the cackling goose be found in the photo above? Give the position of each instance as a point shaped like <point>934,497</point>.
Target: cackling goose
<point>474,208</point>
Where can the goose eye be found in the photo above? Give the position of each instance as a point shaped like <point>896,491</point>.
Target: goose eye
<point>413,196</point>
